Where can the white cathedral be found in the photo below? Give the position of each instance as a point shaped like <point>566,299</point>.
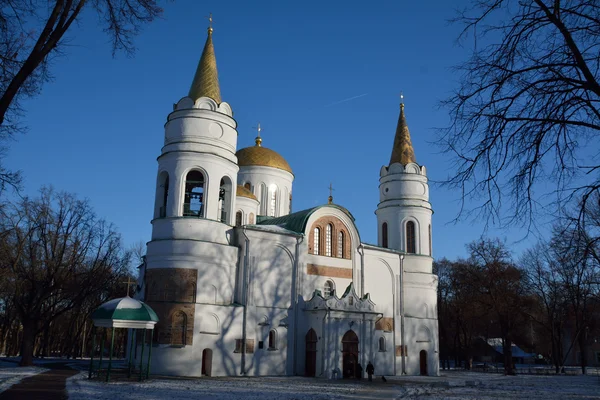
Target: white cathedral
<point>244,286</point>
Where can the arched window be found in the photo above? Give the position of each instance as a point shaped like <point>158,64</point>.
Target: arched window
<point>328,230</point>
<point>384,235</point>
<point>190,296</point>
<point>272,339</point>
<point>410,237</point>
<point>163,194</point>
<point>382,344</point>
<point>430,250</point>
<point>178,329</point>
<point>290,203</point>
<point>248,186</point>
<point>340,244</point>
<point>273,200</point>
<point>264,199</point>
<point>224,199</point>
<point>328,289</point>
<point>193,202</point>
<point>251,218</point>
<point>316,234</point>
<point>238,218</point>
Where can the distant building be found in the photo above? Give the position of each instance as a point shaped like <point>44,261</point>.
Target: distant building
<point>243,285</point>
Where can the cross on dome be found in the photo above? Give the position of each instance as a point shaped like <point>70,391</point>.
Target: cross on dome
<point>331,189</point>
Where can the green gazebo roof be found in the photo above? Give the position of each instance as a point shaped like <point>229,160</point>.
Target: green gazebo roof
<point>125,312</point>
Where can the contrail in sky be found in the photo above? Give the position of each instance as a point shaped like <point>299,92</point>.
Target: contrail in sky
<point>345,100</point>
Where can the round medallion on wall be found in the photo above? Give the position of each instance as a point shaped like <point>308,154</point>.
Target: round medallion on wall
<point>215,130</point>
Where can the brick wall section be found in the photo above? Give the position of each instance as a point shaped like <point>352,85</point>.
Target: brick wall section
<point>170,292</point>
<point>338,226</point>
<point>385,324</point>
<point>333,272</point>
<point>171,284</point>
<point>165,332</point>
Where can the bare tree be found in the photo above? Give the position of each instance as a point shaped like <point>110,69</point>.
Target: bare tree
<point>528,108</point>
<point>32,32</point>
<point>57,255</point>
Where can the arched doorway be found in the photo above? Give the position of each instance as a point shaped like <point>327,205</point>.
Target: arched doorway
<point>310,367</point>
<point>207,362</point>
<point>350,354</point>
<point>423,358</point>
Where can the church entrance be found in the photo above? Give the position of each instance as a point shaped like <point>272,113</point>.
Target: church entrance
<point>310,367</point>
<point>423,357</point>
<point>207,362</point>
<point>350,354</point>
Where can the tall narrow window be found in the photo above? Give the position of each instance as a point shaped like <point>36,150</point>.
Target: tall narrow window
<point>328,289</point>
<point>384,235</point>
<point>316,234</point>
<point>328,240</point>
<point>410,237</point>
<point>264,200</point>
<point>272,339</point>
<point>224,199</point>
<point>251,218</point>
<point>382,344</point>
<point>290,203</point>
<point>248,186</point>
<point>163,188</point>
<point>193,202</point>
<point>430,250</point>
<point>238,218</point>
<point>272,200</point>
<point>340,244</point>
<point>178,329</point>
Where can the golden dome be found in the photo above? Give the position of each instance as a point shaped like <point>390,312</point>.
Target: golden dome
<point>261,156</point>
<point>243,192</point>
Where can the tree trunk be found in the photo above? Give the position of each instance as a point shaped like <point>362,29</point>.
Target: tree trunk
<point>508,364</point>
<point>28,342</point>
<point>583,348</point>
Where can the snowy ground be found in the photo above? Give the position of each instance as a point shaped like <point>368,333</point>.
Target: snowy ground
<point>11,373</point>
<point>453,385</point>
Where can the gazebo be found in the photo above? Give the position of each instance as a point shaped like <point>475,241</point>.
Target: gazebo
<point>127,313</point>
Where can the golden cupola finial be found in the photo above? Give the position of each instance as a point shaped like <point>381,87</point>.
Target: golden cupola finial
<point>403,151</point>
<point>206,79</point>
<point>258,139</point>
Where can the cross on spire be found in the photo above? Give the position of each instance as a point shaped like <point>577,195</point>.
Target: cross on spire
<point>258,139</point>
<point>210,21</point>
<point>331,189</point>
<point>128,283</point>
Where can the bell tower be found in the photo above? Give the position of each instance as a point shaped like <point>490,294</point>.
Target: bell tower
<point>197,168</point>
<point>404,212</point>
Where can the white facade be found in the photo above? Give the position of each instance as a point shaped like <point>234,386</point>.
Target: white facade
<point>282,293</point>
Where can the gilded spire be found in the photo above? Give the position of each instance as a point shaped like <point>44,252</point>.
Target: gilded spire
<point>206,79</point>
<point>402,152</point>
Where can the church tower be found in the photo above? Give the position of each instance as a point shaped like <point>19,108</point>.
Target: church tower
<point>197,169</point>
<point>190,261</point>
<point>404,212</point>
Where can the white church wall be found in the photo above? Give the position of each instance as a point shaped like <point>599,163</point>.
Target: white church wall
<point>270,360</point>
<point>421,335</point>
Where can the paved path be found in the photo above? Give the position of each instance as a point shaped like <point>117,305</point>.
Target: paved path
<point>49,385</point>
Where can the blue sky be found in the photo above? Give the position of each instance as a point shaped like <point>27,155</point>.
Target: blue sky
<point>97,128</point>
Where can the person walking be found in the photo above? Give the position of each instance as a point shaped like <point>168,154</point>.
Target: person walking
<point>370,371</point>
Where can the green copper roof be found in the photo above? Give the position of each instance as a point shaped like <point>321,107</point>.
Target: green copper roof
<point>296,222</point>
<point>125,308</point>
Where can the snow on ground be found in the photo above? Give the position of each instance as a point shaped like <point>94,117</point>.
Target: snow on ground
<point>11,373</point>
<point>263,388</point>
<point>531,387</point>
<point>453,385</point>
